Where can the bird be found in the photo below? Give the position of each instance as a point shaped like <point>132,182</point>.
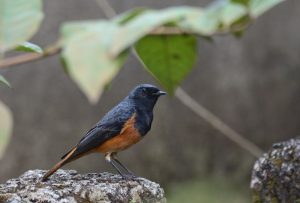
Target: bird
<point>123,126</point>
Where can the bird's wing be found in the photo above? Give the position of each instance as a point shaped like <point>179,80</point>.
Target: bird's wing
<point>109,126</point>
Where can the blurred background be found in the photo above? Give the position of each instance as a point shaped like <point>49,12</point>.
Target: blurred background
<point>251,83</point>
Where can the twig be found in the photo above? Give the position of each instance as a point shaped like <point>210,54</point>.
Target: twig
<point>201,111</point>
<point>217,123</point>
<point>106,8</point>
<point>164,30</point>
<point>25,58</point>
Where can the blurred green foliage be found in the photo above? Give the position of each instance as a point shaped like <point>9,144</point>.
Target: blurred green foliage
<point>6,123</point>
<point>94,51</point>
<point>86,58</point>
<point>211,190</point>
<point>4,81</point>
<point>19,21</point>
<point>29,47</point>
<point>99,47</point>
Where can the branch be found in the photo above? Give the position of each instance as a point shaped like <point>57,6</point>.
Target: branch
<point>166,30</point>
<point>25,58</point>
<point>106,8</point>
<point>217,123</point>
<point>201,111</point>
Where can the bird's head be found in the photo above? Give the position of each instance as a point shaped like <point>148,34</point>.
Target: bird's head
<point>146,94</point>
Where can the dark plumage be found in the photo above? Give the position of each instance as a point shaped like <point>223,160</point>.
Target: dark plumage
<point>121,127</point>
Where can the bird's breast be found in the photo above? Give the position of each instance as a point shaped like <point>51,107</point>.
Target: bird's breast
<point>143,122</point>
<point>128,136</point>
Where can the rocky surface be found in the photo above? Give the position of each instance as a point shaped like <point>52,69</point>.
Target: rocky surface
<point>276,175</point>
<point>67,186</point>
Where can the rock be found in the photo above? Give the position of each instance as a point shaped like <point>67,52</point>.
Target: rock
<point>276,175</point>
<point>67,186</point>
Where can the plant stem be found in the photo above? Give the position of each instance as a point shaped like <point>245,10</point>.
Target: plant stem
<point>25,58</point>
<point>217,123</point>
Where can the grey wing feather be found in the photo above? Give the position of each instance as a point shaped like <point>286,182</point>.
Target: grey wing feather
<point>109,126</point>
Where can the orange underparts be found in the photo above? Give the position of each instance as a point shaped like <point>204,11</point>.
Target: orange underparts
<point>127,137</point>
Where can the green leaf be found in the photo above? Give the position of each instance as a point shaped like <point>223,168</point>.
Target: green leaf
<point>29,47</point>
<point>70,29</point>
<point>169,58</point>
<point>19,20</point>
<point>86,56</point>
<point>243,2</point>
<point>6,126</point>
<point>238,27</point>
<point>225,13</point>
<point>140,26</point>
<point>216,17</point>
<point>258,7</point>
<point>239,33</point>
<point>4,81</point>
<point>231,12</point>
<point>200,21</point>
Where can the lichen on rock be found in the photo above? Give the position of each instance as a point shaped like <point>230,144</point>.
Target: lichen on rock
<point>67,186</point>
<point>276,175</point>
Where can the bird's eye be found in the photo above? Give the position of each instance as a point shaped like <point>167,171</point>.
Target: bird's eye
<point>144,92</point>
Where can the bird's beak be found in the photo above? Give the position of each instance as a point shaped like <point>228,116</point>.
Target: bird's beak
<point>160,93</point>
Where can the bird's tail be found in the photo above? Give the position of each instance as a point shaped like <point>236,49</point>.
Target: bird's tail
<point>66,159</point>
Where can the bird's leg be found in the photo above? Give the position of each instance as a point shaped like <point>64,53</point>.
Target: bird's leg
<point>113,156</point>
<point>108,158</point>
